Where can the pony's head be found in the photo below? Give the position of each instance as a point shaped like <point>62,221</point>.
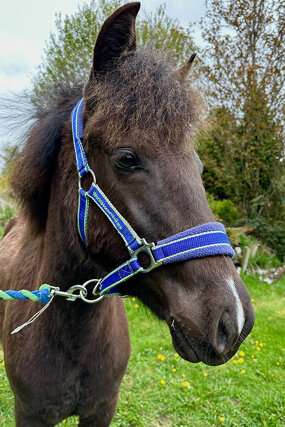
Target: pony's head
<point>138,116</point>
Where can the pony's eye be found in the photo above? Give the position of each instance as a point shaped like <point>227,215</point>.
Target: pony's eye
<point>125,159</point>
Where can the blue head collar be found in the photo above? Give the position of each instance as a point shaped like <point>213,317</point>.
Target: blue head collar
<point>204,240</point>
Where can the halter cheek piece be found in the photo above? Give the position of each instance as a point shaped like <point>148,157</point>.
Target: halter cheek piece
<point>197,242</point>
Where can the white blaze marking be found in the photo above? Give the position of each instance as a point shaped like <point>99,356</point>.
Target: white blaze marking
<point>239,307</point>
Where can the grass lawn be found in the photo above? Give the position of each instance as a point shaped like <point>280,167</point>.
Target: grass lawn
<point>160,389</point>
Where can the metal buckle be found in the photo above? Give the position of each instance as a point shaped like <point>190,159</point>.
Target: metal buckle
<point>147,248</point>
<point>70,294</point>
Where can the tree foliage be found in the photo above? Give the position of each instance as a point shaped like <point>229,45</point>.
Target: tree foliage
<point>245,50</point>
<point>68,52</point>
<point>244,73</point>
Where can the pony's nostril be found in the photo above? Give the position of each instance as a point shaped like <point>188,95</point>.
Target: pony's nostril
<point>226,334</point>
<point>221,338</point>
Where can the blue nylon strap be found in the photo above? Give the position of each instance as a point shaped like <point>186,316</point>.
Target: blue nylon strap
<point>119,275</point>
<point>197,242</point>
<point>83,205</point>
<point>130,237</point>
<point>78,132</point>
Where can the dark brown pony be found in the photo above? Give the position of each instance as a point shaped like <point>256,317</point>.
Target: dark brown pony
<point>138,115</point>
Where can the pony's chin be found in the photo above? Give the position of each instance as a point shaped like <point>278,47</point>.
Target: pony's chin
<point>186,351</point>
<point>194,353</point>
<point>183,347</point>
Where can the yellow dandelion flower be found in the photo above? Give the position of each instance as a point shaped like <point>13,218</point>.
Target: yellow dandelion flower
<point>176,354</point>
<point>235,361</point>
<point>186,384</point>
<point>160,357</point>
<point>240,360</point>
<point>277,363</point>
<point>251,341</point>
<point>3,363</point>
<point>252,300</point>
<point>174,370</point>
<point>261,344</point>
<point>133,299</point>
<point>136,306</point>
<point>162,382</point>
<point>258,348</point>
<point>64,421</point>
<point>243,371</point>
<point>222,419</point>
<point>241,353</point>
<point>205,374</point>
<point>183,375</point>
<point>256,342</point>
<point>255,360</point>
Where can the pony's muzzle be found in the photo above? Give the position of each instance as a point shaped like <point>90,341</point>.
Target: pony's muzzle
<point>210,332</point>
<point>225,334</point>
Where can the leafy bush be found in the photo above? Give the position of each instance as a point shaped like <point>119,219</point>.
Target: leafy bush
<point>265,257</point>
<point>224,210</point>
<point>265,260</point>
<point>271,233</point>
<point>246,241</point>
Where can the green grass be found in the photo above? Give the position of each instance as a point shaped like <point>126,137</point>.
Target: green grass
<point>255,398</point>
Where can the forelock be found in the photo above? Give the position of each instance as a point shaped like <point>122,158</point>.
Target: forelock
<point>141,98</point>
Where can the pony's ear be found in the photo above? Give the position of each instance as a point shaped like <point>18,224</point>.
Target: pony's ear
<point>183,72</point>
<point>117,35</point>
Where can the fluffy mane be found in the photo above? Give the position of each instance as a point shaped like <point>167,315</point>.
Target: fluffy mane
<point>32,174</point>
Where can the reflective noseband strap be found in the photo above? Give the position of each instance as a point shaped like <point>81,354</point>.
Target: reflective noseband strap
<point>197,242</point>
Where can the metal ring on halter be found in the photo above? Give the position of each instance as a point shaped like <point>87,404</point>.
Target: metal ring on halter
<point>93,176</point>
<point>99,297</point>
<point>147,249</point>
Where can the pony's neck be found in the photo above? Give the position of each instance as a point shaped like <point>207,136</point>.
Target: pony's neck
<point>64,260</point>
<point>63,263</point>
